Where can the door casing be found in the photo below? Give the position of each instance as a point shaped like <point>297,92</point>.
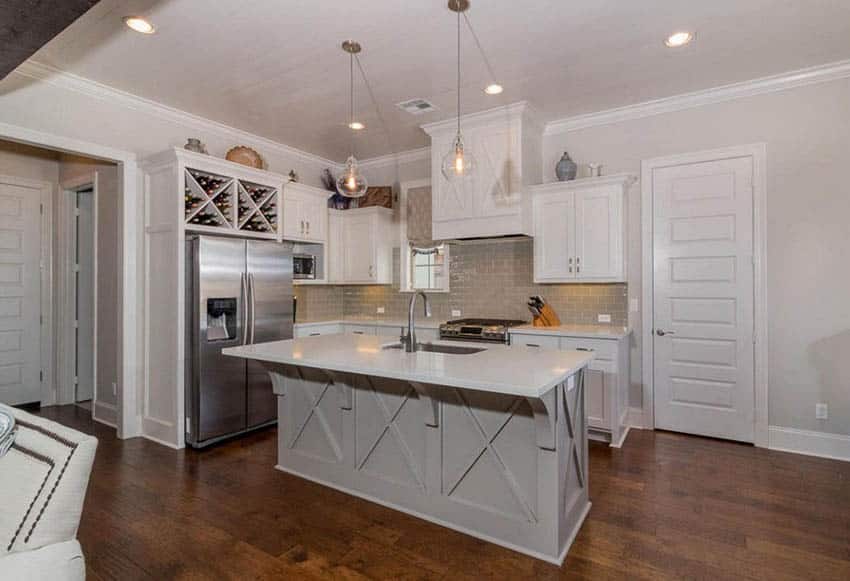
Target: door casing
<point>758,152</point>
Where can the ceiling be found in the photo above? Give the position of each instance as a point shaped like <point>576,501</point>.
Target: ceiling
<point>275,68</point>
<point>25,25</point>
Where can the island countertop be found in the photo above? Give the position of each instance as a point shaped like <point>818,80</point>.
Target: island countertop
<point>515,370</point>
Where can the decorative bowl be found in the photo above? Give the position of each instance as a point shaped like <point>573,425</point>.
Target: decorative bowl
<point>245,156</point>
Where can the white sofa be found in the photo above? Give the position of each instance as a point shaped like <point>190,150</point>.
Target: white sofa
<point>43,481</point>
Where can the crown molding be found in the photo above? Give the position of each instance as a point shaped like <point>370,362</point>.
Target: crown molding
<point>760,86</point>
<point>57,77</point>
<point>391,159</point>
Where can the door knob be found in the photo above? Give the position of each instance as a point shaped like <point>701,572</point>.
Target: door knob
<point>662,332</point>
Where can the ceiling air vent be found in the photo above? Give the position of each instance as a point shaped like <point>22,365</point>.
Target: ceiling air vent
<point>416,106</point>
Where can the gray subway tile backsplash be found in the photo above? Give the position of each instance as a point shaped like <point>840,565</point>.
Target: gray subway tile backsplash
<point>486,280</point>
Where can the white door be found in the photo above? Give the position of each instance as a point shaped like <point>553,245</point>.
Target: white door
<point>358,248</point>
<point>703,298</point>
<point>598,228</point>
<point>85,296</point>
<point>554,235</point>
<point>20,293</point>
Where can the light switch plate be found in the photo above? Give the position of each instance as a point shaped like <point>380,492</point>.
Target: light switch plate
<point>821,411</point>
<point>455,312</point>
<point>381,310</point>
<point>634,306</point>
<point>603,318</point>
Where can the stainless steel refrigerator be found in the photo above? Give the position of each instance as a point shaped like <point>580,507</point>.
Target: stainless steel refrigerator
<point>238,292</point>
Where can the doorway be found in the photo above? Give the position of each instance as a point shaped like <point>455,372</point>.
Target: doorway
<point>84,272</point>
<point>703,293</point>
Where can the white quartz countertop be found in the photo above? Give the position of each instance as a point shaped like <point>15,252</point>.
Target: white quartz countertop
<point>585,331</point>
<point>516,370</point>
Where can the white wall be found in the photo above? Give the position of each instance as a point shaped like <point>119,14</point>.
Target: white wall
<point>108,269</point>
<point>807,131</point>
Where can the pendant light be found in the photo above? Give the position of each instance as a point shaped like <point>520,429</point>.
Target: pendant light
<point>351,182</point>
<point>458,163</point>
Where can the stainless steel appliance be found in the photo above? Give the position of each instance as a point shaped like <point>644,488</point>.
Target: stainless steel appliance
<point>303,266</point>
<point>492,330</point>
<point>238,292</point>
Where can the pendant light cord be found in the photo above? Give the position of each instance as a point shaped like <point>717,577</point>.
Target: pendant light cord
<point>458,66</point>
<point>351,99</point>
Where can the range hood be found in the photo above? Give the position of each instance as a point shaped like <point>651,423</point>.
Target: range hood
<point>507,143</point>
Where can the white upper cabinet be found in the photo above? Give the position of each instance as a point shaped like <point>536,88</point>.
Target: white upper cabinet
<point>506,143</point>
<point>360,246</point>
<point>305,213</point>
<point>580,230</point>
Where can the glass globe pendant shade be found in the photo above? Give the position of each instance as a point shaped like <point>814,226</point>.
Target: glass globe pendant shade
<point>458,164</point>
<point>351,182</point>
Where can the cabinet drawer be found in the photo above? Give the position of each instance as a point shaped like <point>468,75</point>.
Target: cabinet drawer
<point>315,330</point>
<point>388,331</point>
<point>602,349</point>
<point>544,341</point>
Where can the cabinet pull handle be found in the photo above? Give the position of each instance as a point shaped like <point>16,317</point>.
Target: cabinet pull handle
<point>358,332</point>
<point>371,271</point>
<point>584,349</point>
<point>308,227</point>
<point>302,226</point>
<point>532,345</point>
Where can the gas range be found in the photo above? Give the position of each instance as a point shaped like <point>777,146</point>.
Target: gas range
<point>491,330</point>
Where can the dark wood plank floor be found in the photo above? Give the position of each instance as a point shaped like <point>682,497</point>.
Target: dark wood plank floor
<point>666,506</point>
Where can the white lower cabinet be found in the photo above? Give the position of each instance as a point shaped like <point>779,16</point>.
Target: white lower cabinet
<point>311,330</point>
<point>606,380</point>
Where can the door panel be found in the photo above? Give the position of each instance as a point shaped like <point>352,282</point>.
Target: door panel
<point>269,268</point>
<point>85,296</point>
<point>20,294</point>
<point>703,285</point>
<point>219,383</point>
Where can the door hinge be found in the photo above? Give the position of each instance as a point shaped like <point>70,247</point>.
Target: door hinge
<point>76,211</point>
<point>76,324</point>
<point>76,268</point>
<point>76,380</point>
<point>188,425</point>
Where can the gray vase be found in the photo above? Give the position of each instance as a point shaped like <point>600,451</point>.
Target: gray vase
<point>566,168</point>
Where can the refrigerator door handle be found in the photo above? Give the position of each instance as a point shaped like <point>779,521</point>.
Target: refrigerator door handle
<point>244,282</point>
<point>253,305</point>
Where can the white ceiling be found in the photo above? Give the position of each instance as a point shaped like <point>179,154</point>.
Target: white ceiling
<point>274,68</point>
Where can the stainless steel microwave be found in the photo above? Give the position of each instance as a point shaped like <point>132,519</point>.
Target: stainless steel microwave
<point>303,266</point>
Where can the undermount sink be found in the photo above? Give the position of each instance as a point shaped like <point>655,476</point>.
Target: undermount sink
<point>433,348</point>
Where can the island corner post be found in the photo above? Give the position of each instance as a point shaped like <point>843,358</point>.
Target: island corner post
<point>506,468</point>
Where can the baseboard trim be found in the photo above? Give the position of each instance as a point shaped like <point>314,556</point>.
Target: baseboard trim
<point>635,418</point>
<point>105,413</point>
<point>820,444</point>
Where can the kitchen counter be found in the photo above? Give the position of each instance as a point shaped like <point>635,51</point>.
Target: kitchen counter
<point>492,444</point>
<point>585,331</point>
<point>522,371</point>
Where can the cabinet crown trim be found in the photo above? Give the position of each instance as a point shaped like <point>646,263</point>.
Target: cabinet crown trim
<point>520,109</point>
<point>624,180</point>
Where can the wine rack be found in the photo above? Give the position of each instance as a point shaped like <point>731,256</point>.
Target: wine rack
<point>213,201</point>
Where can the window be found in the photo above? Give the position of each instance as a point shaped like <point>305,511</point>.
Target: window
<point>429,268</point>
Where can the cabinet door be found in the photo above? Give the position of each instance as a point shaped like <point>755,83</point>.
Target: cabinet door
<point>597,416</point>
<point>449,200</point>
<point>360,330</point>
<point>358,249</point>
<point>314,214</point>
<point>293,216</point>
<point>598,233</point>
<point>335,248</point>
<point>554,219</point>
<point>543,341</point>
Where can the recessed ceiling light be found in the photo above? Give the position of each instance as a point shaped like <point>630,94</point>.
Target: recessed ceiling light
<point>494,89</point>
<point>139,24</point>
<point>678,39</point>
<point>356,125</point>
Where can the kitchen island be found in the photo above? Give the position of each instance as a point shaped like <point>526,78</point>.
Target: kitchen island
<point>487,439</point>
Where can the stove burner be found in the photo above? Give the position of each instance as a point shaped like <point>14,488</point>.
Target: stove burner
<point>492,330</point>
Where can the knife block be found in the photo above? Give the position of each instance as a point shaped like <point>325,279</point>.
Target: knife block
<point>547,318</point>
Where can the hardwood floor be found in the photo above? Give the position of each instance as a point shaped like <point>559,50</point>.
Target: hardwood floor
<point>666,506</point>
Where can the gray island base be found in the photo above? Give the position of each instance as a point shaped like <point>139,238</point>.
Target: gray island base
<point>507,467</point>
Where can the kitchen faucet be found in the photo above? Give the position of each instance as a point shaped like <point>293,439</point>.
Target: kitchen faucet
<point>410,340</point>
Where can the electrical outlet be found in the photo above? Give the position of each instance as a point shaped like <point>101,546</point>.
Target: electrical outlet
<point>603,318</point>
<point>634,306</point>
<point>455,312</point>
<point>821,411</point>
<point>381,310</point>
